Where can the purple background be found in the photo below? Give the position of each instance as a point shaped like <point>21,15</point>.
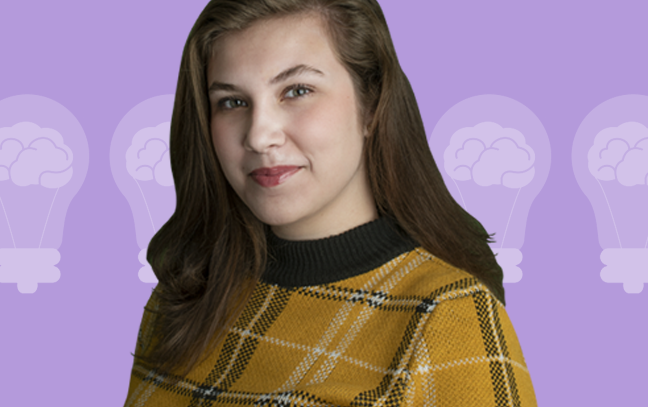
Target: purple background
<point>584,340</point>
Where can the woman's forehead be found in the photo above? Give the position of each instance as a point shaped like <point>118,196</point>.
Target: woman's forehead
<point>292,30</point>
<point>265,50</point>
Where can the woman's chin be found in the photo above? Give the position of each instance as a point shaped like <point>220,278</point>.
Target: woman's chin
<point>278,219</point>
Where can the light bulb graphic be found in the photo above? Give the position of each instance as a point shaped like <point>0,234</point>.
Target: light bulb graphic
<point>610,161</point>
<point>495,160</point>
<point>141,167</point>
<point>43,162</point>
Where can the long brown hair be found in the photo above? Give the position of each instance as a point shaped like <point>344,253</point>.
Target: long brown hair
<point>210,254</point>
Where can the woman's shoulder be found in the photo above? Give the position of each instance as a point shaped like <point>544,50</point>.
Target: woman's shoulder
<point>425,276</point>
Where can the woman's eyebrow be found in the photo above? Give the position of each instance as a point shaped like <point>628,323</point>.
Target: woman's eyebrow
<point>284,75</point>
<point>295,70</point>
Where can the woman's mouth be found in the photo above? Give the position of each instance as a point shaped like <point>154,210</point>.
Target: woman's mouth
<point>268,180</point>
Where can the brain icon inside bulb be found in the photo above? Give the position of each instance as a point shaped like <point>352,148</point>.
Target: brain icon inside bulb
<point>495,160</point>
<point>141,166</point>
<point>37,182</point>
<point>610,160</point>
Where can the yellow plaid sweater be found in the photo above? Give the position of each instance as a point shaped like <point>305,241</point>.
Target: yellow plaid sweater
<point>365,318</point>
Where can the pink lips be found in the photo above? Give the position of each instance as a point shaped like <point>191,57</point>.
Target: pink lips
<point>269,177</point>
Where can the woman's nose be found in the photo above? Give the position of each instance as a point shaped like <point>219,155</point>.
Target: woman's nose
<point>264,130</point>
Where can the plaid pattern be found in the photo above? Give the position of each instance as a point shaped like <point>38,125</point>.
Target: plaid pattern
<point>413,332</point>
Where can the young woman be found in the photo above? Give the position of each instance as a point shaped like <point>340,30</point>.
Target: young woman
<point>315,256</point>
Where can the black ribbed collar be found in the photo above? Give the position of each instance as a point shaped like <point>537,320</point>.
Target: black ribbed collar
<point>354,252</point>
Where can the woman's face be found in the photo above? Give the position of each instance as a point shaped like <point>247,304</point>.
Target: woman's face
<point>264,113</point>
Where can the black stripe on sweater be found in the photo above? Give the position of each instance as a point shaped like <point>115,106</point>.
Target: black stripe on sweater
<point>498,370</point>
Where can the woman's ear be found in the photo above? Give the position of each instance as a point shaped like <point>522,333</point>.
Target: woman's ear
<point>365,127</point>
<point>368,118</point>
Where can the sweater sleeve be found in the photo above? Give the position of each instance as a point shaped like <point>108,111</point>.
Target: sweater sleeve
<point>144,338</point>
<point>469,356</point>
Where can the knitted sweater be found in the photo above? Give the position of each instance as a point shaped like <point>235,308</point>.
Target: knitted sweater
<point>364,318</point>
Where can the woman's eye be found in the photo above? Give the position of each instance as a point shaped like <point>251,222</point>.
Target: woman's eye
<point>230,103</point>
<point>299,90</point>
